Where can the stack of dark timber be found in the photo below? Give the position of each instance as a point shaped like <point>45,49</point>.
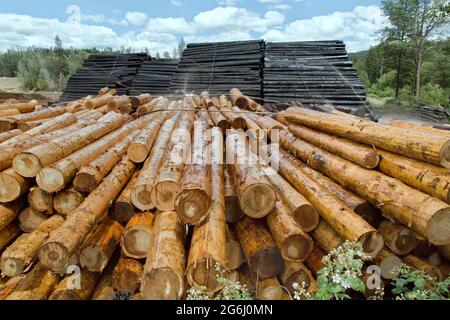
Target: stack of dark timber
<point>431,113</point>
<point>145,214</point>
<point>217,67</point>
<point>154,76</point>
<point>98,71</point>
<point>311,72</point>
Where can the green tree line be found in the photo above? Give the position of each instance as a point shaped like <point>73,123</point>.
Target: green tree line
<point>411,64</point>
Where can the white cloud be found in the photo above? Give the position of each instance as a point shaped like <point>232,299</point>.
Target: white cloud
<point>270,1</point>
<point>228,3</point>
<point>282,6</point>
<point>117,22</point>
<point>358,28</point>
<point>97,18</point>
<point>170,25</point>
<point>177,3</point>
<point>136,18</point>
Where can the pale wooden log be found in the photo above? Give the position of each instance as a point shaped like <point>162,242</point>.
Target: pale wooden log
<point>100,245</point>
<point>260,250</point>
<point>428,178</point>
<point>360,154</point>
<point>206,99</point>
<point>12,185</point>
<point>218,119</point>
<point>127,275</point>
<point>418,145</point>
<point>9,134</point>
<point>233,212</point>
<point>423,214</point>
<point>142,144</point>
<point>22,253</point>
<point>65,240</point>
<point>418,127</point>
<point>165,265</point>
<point>238,99</point>
<point>389,264</point>
<point>66,201</point>
<point>29,163</point>
<point>398,238</point>
<point>123,209</point>
<point>68,288</point>
<point>140,99</point>
<point>23,107</point>
<point>158,104</point>
<point>235,256</point>
<point>297,272</point>
<point>294,243</point>
<point>37,285</point>
<point>119,102</point>
<point>269,289</point>
<point>137,235</point>
<point>420,264</point>
<point>8,234</point>
<point>11,122</point>
<point>99,101</point>
<point>326,237</point>
<point>234,117</point>
<point>40,200</point>
<point>29,219</point>
<point>9,112</point>
<point>10,286</point>
<point>9,211</point>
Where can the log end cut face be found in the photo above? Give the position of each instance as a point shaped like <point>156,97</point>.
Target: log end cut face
<point>204,274</point>
<point>54,256</point>
<point>257,200</point>
<point>65,295</point>
<point>137,152</point>
<point>93,259</point>
<point>404,242</point>
<point>301,277</point>
<point>445,155</point>
<point>163,195</point>
<point>12,267</point>
<point>9,188</point>
<point>27,165</point>
<point>297,247</point>
<point>50,180</point>
<point>85,182</point>
<point>141,197</point>
<point>192,206</point>
<point>267,263</point>
<point>438,229</point>
<point>136,241</point>
<point>307,217</point>
<point>271,292</point>
<point>126,281</point>
<point>123,211</point>
<point>162,284</point>
<point>390,267</point>
<point>372,242</point>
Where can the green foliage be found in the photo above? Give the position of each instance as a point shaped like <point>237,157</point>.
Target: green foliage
<point>231,290</point>
<point>413,284</point>
<point>433,94</point>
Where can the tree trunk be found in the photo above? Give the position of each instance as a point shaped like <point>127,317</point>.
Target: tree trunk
<point>233,212</point>
<point>40,200</point>
<point>23,107</point>
<point>397,237</point>
<point>10,286</point>
<point>218,119</point>
<point>64,241</point>
<point>314,260</point>
<point>270,289</point>
<point>297,272</point>
<point>123,209</point>
<point>389,264</point>
<point>104,289</point>
<point>433,149</point>
<point>67,289</point>
<point>420,264</point>
<point>140,196</point>
<point>166,186</point>
<point>234,118</point>
<point>137,236</point>
<point>165,265</point>
<point>12,185</point>
<point>100,245</point>
<point>260,250</point>
<point>67,201</point>
<point>326,237</point>
<point>9,211</point>
<point>29,219</point>
<point>419,127</point>
<point>294,243</point>
<point>140,99</point>
<point>10,134</point>
<point>8,234</point>
<point>423,214</point>
<point>99,101</point>
<point>363,155</point>
<point>120,102</point>
<point>30,162</point>
<point>142,144</point>
<point>11,122</point>
<point>22,253</point>
<point>127,275</point>
<point>235,257</point>
<point>37,285</point>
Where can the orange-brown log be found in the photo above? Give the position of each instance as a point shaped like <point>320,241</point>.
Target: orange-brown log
<point>165,266</point>
<point>9,211</point>
<point>294,243</point>
<point>194,196</point>
<point>11,122</point>
<point>137,235</point>
<point>420,264</point>
<point>100,245</point>
<point>12,185</point>
<point>326,237</point>
<point>29,219</point>
<point>141,194</point>
<point>127,275</point>
<point>234,117</point>
<point>76,287</point>
<point>118,103</point>
<point>9,286</point>
<point>398,238</point>
<point>123,209</point>
<point>9,112</point>
<point>233,212</point>
<point>9,134</point>
<point>30,162</point>
<point>218,119</point>
<point>256,195</point>
<point>344,220</point>
<point>40,200</point>
<point>23,107</point>
<point>22,253</point>
<point>426,177</point>
<point>99,101</point>
<point>140,99</point>
<point>37,284</point>
<point>360,154</point>
<point>104,289</point>
<point>314,260</point>
<point>65,240</point>
<point>422,213</point>
<point>8,234</point>
<point>66,201</point>
<point>238,99</point>
<point>142,144</point>
<point>260,250</point>
<point>418,127</point>
<point>413,144</point>
<point>235,256</point>
<point>270,289</point>
<point>297,272</point>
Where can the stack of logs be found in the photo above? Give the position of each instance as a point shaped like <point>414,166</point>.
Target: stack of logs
<point>117,197</point>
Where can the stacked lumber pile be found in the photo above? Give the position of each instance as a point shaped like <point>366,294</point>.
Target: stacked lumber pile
<point>98,71</point>
<point>431,113</point>
<point>217,67</point>
<point>143,206</point>
<point>154,76</point>
<point>311,72</point>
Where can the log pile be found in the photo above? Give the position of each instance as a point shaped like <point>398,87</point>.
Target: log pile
<point>99,71</point>
<point>431,113</point>
<point>154,76</point>
<point>311,72</point>
<point>147,206</point>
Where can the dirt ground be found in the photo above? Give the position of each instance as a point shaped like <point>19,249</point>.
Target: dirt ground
<point>11,88</point>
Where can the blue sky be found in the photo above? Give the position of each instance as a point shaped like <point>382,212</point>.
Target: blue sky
<point>158,25</point>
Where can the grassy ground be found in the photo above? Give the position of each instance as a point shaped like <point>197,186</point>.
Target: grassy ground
<point>12,88</point>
